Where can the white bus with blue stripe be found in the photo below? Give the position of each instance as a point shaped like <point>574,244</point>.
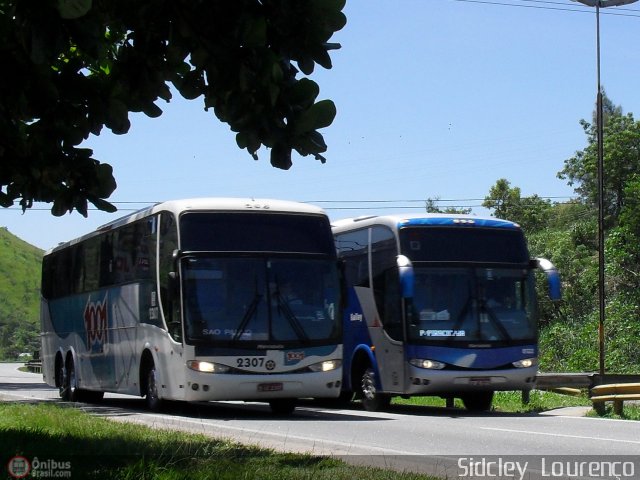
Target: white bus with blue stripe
<point>440,305</point>
<point>197,300</point>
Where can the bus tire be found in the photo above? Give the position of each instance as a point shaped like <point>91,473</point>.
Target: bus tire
<point>478,401</point>
<point>69,391</point>
<point>372,400</point>
<point>61,377</point>
<point>152,398</point>
<point>283,406</point>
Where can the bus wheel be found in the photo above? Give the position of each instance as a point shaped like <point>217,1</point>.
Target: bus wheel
<point>478,401</point>
<point>69,389</point>
<point>372,400</point>
<point>283,406</point>
<point>61,379</point>
<point>152,398</point>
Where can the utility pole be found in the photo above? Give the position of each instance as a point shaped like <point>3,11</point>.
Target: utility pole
<point>600,132</point>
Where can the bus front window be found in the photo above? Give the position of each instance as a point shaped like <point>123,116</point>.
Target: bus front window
<point>242,300</point>
<point>472,305</point>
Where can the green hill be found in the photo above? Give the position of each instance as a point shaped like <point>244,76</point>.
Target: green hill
<point>20,265</point>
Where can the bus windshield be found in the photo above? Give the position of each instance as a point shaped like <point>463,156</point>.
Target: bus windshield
<point>478,305</point>
<point>230,300</point>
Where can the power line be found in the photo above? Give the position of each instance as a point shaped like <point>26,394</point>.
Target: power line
<point>437,200</point>
<point>563,7</point>
<point>361,204</point>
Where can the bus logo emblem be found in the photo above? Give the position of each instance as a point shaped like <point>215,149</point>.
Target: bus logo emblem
<point>95,323</point>
<point>295,356</point>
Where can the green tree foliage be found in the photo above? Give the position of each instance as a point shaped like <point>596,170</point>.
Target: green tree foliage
<point>621,161</point>
<point>431,206</point>
<point>532,213</point>
<point>74,66</point>
<point>20,265</point>
<point>569,337</point>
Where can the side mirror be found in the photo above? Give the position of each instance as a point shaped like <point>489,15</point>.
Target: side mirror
<point>173,283</point>
<point>175,257</point>
<point>553,277</point>
<point>405,269</point>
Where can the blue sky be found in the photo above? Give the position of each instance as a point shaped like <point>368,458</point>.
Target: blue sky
<point>435,98</point>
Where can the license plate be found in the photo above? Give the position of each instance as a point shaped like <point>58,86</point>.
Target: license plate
<point>270,387</point>
<point>480,381</point>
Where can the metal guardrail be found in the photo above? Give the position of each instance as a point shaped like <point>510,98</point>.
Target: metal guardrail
<point>616,393</point>
<point>34,366</point>
<point>548,381</point>
<point>614,388</point>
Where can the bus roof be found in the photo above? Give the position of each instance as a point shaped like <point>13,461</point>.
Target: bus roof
<point>413,219</point>
<point>225,204</point>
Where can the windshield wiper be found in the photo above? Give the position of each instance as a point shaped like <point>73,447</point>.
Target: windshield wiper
<point>283,306</point>
<point>460,318</point>
<point>248,315</point>
<point>494,320</point>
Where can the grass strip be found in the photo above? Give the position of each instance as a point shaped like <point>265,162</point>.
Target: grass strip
<point>97,448</point>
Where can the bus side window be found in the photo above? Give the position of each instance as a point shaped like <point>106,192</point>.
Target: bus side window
<point>106,261</point>
<point>353,249</point>
<point>386,281</point>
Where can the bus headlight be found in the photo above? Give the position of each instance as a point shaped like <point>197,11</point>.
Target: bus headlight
<point>525,363</point>
<point>325,366</point>
<point>428,364</point>
<point>207,367</point>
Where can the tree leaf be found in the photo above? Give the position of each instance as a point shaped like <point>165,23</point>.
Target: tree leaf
<point>71,9</point>
<point>281,157</point>
<point>319,115</point>
<point>152,110</point>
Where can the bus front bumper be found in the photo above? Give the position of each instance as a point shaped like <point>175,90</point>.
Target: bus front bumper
<point>210,387</point>
<point>428,382</point>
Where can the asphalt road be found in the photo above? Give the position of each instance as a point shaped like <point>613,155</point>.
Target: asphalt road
<point>449,442</point>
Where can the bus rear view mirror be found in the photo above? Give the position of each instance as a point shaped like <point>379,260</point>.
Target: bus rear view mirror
<point>173,280</point>
<point>405,269</point>
<point>553,277</point>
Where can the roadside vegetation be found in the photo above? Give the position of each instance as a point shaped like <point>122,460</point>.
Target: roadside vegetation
<point>539,401</point>
<point>116,450</point>
<point>631,411</point>
<point>566,234</point>
<point>20,293</point>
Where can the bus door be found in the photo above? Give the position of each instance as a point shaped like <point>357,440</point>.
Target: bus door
<point>386,329</point>
<point>389,354</point>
